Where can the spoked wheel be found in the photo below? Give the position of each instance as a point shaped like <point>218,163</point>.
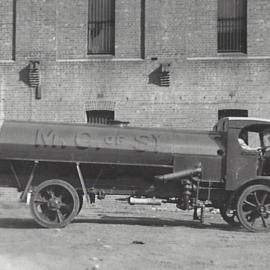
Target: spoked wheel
<point>229,216</point>
<point>253,208</point>
<point>54,204</point>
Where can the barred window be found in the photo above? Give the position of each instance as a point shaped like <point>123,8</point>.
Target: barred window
<point>232,26</point>
<point>232,113</point>
<point>101,26</point>
<point>100,116</point>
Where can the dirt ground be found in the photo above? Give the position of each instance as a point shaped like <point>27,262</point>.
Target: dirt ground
<point>114,235</point>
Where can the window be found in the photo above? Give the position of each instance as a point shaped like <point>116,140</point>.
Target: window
<point>232,26</point>
<point>100,116</point>
<point>232,113</point>
<point>101,24</point>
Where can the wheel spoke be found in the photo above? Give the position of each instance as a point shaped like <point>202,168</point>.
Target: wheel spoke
<point>256,198</point>
<point>63,205</point>
<point>264,223</point>
<point>250,203</point>
<point>60,216</point>
<point>264,197</point>
<point>246,213</point>
<point>40,201</point>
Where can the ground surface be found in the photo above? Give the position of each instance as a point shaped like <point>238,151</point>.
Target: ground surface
<point>114,235</point>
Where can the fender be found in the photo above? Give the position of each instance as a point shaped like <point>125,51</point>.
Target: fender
<point>251,181</point>
<point>259,179</point>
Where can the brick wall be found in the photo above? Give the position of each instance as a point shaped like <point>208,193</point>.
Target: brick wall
<point>180,32</point>
<point>259,27</point>
<point>6,30</point>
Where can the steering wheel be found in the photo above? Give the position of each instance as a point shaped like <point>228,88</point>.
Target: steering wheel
<point>263,149</point>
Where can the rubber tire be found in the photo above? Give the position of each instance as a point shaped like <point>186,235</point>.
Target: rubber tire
<point>229,220</point>
<point>70,189</point>
<point>244,193</point>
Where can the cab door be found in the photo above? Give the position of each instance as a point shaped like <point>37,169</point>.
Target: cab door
<point>241,164</point>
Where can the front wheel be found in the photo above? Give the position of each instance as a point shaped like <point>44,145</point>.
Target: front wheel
<point>54,204</point>
<point>253,208</point>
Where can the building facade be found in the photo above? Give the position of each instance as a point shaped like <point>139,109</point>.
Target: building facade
<point>159,63</point>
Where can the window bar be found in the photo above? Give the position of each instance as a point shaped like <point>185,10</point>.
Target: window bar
<point>222,32</point>
<point>108,26</point>
<point>219,27</point>
<point>97,26</point>
<point>236,31</point>
<point>233,24</point>
<point>244,28</point>
<point>230,19</point>
<point>104,24</point>
<point>113,26</point>
<point>240,15</point>
<point>228,26</point>
<point>100,25</point>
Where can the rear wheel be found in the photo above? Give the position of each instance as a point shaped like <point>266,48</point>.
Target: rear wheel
<point>54,204</point>
<point>253,208</point>
<point>229,216</point>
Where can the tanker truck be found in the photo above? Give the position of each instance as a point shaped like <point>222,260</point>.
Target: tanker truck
<point>66,165</point>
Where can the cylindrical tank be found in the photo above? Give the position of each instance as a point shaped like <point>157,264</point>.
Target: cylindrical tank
<point>102,144</point>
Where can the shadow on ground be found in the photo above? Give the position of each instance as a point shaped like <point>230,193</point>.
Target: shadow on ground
<point>16,223</point>
<point>158,222</point>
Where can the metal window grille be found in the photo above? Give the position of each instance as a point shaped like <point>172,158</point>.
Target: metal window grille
<point>232,113</point>
<point>101,26</point>
<point>102,117</point>
<point>232,26</point>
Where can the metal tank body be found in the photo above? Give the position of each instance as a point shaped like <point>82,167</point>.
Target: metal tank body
<point>117,160</point>
<point>106,144</point>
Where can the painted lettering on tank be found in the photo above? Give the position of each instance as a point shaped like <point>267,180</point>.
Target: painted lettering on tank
<point>145,142</point>
<point>49,138</point>
<point>82,140</point>
<point>114,140</point>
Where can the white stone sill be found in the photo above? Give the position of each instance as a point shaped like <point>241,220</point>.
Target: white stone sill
<point>7,61</point>
<point>100,60</point>
<point>228,58</point>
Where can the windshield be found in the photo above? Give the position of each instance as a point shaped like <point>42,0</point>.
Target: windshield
<point>266,137</point>
<point>254,137</point>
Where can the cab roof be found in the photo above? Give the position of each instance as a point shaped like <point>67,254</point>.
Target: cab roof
<point>240,123</point>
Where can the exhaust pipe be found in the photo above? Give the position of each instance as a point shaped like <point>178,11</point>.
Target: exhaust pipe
<point>144,201</point>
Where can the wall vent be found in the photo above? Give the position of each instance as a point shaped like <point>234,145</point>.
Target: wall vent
<point>165,75</point>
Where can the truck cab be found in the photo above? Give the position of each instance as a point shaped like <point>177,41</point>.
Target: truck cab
<point>246,146</point>
<point>246,172</point>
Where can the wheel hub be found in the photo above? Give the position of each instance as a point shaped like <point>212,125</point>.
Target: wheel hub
<point>261,209</point>
<point>54,204</point>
